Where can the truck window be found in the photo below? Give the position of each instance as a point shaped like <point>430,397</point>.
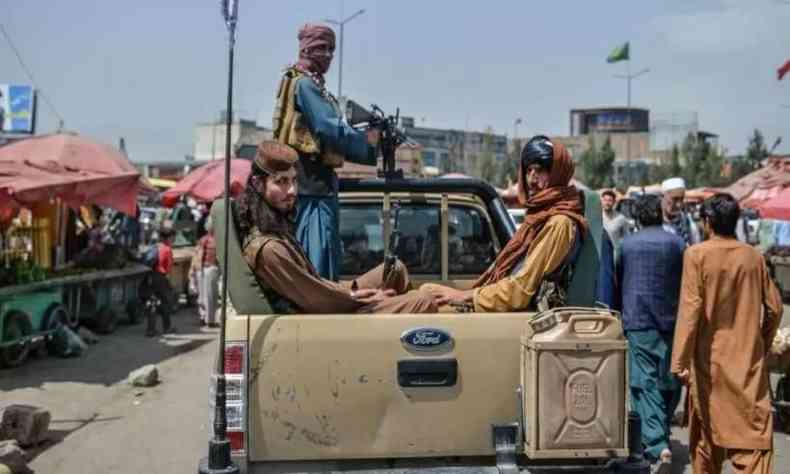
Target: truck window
<point>471,247</point>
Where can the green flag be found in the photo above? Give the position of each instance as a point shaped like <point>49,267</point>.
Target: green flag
<point>619,53</point>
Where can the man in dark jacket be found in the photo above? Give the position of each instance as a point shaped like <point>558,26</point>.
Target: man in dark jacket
<point>650,269</point>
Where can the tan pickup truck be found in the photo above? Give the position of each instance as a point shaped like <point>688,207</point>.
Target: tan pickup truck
<point>440,393</point>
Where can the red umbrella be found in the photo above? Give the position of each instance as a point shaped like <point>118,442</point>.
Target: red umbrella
<point>777,207</point>
<point>73,168</point>
<point>207,183</point>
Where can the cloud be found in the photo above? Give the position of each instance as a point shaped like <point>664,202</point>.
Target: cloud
<point>726,27</point>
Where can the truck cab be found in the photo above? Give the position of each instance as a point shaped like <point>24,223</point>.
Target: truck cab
<point>458,392</point>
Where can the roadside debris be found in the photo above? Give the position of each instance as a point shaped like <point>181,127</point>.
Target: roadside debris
<point>13,457</point>
<point>25,424</point>
<point>146,376</point>
<point>88,336</point>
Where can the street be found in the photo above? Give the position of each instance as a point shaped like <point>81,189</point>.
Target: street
<point>101,424</point>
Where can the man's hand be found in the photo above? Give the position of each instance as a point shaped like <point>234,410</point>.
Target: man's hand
<point>368,295</point>
<point>684,376</point>
<point>374,135</point>
<point>453,296</point>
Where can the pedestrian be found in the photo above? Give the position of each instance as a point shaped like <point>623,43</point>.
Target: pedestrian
<point>729,313</point>
<point>308,118</point>
<point>649,273</point>
<point>615,223</point>
<point>676,219</point>
<point>160,286</point>
<point>208,277</point>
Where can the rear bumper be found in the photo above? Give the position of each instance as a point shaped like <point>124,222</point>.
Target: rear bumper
<point>431,466</point>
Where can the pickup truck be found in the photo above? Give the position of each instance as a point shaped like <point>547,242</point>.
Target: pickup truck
<point>440,393</point>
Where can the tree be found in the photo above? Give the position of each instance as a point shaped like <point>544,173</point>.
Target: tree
<point>598,165</point>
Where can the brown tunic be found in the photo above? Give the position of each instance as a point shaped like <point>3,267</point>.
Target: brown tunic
<point>281,266</point>
<point>729,312</point>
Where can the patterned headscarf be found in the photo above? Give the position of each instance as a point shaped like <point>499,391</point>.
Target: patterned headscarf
<point>310,36</point>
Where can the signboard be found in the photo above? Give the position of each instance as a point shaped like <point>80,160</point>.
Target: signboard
<point>17,109</point>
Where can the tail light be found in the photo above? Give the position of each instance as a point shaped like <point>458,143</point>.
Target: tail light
<point>235,396</point>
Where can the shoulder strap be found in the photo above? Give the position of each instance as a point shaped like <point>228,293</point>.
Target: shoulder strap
<point>285,104</point>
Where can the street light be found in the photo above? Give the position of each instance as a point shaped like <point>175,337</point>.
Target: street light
<point>630,77</point>
<point>342,24</point>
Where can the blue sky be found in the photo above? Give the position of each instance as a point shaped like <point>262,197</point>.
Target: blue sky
<point>149,72</point>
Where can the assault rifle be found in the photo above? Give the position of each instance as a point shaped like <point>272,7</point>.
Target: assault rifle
<point>391,135</point>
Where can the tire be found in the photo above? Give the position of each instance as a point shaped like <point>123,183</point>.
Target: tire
<point>105,321</point>
<point>16,325</point>
<point>55,316</point>
<point>783,395</point>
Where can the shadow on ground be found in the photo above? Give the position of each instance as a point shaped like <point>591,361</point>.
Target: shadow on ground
<point>112,358</point>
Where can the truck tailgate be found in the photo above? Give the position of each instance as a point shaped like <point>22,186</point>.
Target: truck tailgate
<point>331,386</point>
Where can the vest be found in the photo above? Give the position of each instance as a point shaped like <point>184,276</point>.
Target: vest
<point>289,124</point>
<point>251,246</point>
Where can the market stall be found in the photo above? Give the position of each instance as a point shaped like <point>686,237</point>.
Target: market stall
<point>47,187</point>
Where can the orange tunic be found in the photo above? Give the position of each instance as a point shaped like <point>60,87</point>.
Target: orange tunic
<point>729,312</point>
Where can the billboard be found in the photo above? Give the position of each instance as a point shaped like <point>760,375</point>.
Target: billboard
<point>17,109</point>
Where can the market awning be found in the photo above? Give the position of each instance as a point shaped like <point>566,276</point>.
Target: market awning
<point>207,182</point>
<point>777,207</point>
<point>73,168</point>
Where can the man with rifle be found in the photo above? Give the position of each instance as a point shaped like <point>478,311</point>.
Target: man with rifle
<point>307,117</point>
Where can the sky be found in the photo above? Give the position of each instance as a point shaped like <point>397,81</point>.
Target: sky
<point>150,70</point>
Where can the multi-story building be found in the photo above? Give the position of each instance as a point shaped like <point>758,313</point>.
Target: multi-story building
<point>448,150</point>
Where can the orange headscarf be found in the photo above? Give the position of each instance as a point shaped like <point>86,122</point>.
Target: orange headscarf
<point>560,198</point>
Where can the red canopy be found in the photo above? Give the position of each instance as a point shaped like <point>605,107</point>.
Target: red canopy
<point>68,166</point>
<point>207,183</point>
<point>777,207</point>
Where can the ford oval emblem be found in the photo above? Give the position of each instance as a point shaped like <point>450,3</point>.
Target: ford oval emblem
<point>426,340</point>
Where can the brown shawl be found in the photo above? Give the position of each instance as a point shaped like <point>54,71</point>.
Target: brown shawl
<point>310,36</point>
<point>560,198</point>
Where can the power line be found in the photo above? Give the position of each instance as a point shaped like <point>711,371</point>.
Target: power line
<point>30,76</point>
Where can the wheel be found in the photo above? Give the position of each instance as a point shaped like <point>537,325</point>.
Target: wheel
<point>783,395</point>
<point>16,326</point>
<point>55,316</point>
<point>133,311</point>
<point>105,321</point>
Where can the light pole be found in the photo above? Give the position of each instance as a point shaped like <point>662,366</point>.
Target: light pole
<point>219,459</point>
<point>342,24</point>
<point>516,123</point>
<point>629,77</point>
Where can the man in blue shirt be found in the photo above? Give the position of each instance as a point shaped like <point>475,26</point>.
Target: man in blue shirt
<point>650,271</point>
<point>307,117</point>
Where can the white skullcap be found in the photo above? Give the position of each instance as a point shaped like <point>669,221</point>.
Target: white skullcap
<point>673,183</point>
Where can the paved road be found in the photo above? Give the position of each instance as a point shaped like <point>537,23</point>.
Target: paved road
<point>102,425</point>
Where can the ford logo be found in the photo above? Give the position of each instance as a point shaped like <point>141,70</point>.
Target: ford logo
<point>426,340</point>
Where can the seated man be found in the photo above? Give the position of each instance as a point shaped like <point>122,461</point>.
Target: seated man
<point>534,260</point>
<point>266,221</point>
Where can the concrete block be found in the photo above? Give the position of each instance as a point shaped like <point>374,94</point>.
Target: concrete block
<point>24,423</point>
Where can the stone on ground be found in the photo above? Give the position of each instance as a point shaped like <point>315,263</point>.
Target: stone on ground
<point>13,457</point>
<point>26,424</point>
<point>146,376</point>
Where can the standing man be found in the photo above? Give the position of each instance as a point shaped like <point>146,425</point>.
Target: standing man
<point>649,274</point>
<point>160,285</point>
<point>615,223</point>
<point>307,117</point>
<point>676,220</point>
<point>721,342</point>
<point>208,277</point>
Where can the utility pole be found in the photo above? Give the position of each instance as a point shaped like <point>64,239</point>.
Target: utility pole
<point>629,77</point>
<point>342,23</point>
<point>219,459</point>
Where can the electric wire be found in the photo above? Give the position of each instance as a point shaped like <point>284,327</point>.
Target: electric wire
<point>30,75</point>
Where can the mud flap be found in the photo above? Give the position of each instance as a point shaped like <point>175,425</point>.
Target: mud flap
<point>506,439</point>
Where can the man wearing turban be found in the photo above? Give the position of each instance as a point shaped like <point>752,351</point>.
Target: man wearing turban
<point>266,223</point>
<point>544,245</point>
<point>307,117</point>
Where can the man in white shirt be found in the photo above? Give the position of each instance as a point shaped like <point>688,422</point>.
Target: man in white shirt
<point>676,220</point>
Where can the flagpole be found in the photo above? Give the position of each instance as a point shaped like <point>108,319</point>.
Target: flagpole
<point>629,77</point>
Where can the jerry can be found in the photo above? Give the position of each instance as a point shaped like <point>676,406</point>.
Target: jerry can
<point>574,381</point>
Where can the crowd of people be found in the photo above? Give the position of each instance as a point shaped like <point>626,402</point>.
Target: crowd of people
<point>699,310</point>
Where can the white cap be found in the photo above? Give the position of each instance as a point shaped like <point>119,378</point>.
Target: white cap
<point>673,183</point>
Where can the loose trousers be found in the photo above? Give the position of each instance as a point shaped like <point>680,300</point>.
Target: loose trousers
<point>208,294</point>
<point>707,458</point>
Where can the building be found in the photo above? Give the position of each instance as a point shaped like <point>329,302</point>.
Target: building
<point>209,143</point>
<point>448,151</point>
